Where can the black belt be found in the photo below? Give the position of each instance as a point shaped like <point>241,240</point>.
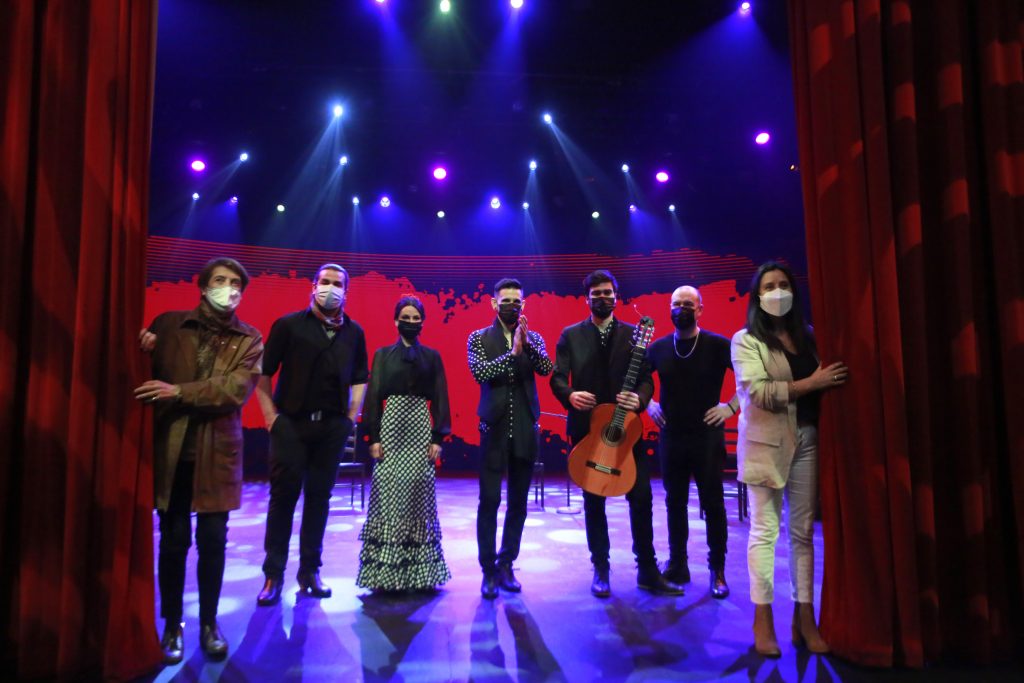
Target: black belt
<point>315,416</point>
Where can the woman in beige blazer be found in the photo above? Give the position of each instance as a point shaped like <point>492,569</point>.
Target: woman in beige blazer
<point>779,382</point>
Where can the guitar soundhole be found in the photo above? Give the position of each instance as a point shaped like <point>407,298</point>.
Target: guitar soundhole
<point>613,434</point>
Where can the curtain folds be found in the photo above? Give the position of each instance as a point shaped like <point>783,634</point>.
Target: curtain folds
<point>76,83</point>
<point>911,131</point>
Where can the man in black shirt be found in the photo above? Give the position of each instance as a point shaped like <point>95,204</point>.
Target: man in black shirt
<point>503,359</point>
<point>321,354</point>
<point>591,361</point>
<point>691,365</point>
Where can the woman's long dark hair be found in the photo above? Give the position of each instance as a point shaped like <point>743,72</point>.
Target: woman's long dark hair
<point>763,326</point>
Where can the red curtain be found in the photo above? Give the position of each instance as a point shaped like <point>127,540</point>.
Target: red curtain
<point>911,129</point>
<point>76,533</point>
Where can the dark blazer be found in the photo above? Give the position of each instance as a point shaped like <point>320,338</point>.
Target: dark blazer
<point>490,360</point>
<point>214,404</point>
<point>578,367</point>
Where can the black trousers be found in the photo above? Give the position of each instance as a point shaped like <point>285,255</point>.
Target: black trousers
<point>509,452</point>
<point>700,454</point>
<point>175,540</point>
<point>304,459</point>
<point>641,513</point>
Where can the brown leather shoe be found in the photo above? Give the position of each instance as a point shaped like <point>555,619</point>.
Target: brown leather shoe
<point>765,642</point>
<point>271,593</point>
<point>805,631</point>
<point>173,642</point>
<point>310,584</point>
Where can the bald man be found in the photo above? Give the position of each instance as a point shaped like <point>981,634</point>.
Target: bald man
<point>691,365</point>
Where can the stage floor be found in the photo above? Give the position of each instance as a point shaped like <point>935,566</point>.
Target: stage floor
<point>553,631</point>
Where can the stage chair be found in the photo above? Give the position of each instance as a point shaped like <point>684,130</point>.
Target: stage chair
<point>538,480</point>
<point>352,470</point>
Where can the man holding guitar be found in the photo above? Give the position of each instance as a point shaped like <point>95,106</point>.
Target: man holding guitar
<point>594,365</point>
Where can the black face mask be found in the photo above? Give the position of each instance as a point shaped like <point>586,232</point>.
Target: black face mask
<point>409,330</point>
<point>602,308</point>
<point>509,314</point>
<point>683,318</point>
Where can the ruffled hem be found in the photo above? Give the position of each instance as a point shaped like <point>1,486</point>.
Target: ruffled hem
<point>382,531</point>
<point>401,567</point>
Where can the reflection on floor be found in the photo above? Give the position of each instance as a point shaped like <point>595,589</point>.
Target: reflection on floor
<point>553,631</point>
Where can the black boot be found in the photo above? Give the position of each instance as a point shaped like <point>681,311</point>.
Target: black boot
<point>719,588</point>
<point>271,593</point>
<point>650,579</point>
<point>506,579</point>
<point>489,586</point>
<point>600,587</point>
<point>212,641</point>
<point>173,641</point>
<point>676,571</point>
<point>310,584</point>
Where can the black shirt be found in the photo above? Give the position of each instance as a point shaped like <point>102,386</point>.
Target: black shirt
<point>691,374</point>
<point>316,370</point>
<point>808,406</point>
<point>415,370</point>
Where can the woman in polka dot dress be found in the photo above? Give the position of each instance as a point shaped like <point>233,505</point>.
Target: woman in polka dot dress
<point>407,416</point>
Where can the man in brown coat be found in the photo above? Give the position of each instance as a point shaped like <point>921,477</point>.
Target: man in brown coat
<point>205,365</point>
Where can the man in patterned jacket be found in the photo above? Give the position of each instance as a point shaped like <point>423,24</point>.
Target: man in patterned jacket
<point>503,359</point>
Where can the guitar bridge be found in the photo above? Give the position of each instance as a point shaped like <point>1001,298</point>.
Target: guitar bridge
<point>604,469</point>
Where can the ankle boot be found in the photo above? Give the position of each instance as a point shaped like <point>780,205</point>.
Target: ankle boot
<point>765,642</point>
<point>805,630</point>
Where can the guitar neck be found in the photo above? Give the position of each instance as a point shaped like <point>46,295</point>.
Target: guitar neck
<point>635,359</point>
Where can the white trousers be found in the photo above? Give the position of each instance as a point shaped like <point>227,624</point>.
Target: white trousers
<point>800,495</point>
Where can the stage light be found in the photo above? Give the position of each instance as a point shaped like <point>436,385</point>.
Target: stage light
<point>547,119</point>
<point>495,203</point>
<point>595,215</point>
<point>280,208</point>
<point>632,208</point>
<point>744,8</point>
<point>195,196</point>
<point>385,202</point>
<point>440,173</point>
<point>440,214</point>
<point>661,176</point>
<point>233,200</point>
<point>672,208</point>
<point>198,165</point>
<point>762,138</point>
<point>445,6</point>
<point>533,165</point>
<point>526,206</point>
<point>244,156</point>
<point>338,111</point>
<point>355,201</point>
<point>516,4</point>
<point>343,161</point>
<point>625,168</point>
<point>381,2</point>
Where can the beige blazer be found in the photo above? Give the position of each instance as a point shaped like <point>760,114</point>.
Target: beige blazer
<point>767,423</point>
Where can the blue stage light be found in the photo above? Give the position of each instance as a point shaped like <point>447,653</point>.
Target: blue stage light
<point>533,165</point>
<point>244,156</point>
<point>547,119</point>
<point>744,8</point>
<point>338,111</point>
<point>516,4</point>
<point>385,201</point>
<point>672,208</point>
<point>495,203</point>
<point>445,6</point>
<point>440,214</point>
<point>625,168</point>
<point>195,196</point>
<point>595,215</point>
<point>526,206</point>
<point>355,201</point>
<point>632,208</point>
<point>343,161</point>
<point>234,200</point>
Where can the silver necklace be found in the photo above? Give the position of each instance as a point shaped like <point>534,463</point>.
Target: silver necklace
<point>675,346</point>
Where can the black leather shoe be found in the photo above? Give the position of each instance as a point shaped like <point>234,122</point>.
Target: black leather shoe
<point>676,571</point>
<point>212,641</point>
<point>310,584</point>
<point>650,579</point>
<point>173,642</point>
<point>719,588</point>
<point>600,586</point>
<point>507,580</point>
<point>489,586</point>
<point>271,593</point>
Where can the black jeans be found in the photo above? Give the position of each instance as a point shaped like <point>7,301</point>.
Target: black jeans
<point>175,539</point>
<point>702,455</point>
<point>304,458</point>
<point>641,512</point>
<point>520,474</point>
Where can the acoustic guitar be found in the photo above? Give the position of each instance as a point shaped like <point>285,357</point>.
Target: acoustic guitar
<point>602,462</point>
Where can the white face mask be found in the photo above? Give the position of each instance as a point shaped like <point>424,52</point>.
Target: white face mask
<point>224,299</point>
<point>777,302</point>
<point>329,297</point>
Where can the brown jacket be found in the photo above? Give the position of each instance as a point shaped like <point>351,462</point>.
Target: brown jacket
<point>215,403</point>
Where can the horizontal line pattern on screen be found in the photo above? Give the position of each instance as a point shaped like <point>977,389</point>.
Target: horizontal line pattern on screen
<point>171,259</point>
